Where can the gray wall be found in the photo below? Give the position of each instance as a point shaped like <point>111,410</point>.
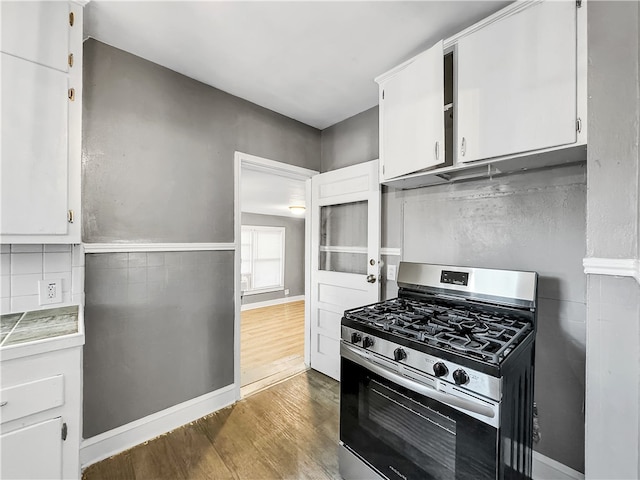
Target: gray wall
<point>613,348</point>
<point>158,332</point>
<point>533,221</point>
<point>352,141</point>
<point>294,254</point>
<point>157,166</point>
<point>158,149</point>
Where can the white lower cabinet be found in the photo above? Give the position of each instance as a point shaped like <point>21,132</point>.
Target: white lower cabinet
<point>42,459</point>
<point>40,415</point>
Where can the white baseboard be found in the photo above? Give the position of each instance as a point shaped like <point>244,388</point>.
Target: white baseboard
<point>545,468</point>
<point>119,439</point>
<point>270,303</point>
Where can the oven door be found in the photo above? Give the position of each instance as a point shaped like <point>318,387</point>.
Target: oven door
<point>405,435</point>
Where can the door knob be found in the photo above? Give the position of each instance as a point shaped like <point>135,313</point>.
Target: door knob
<point>371,278</point>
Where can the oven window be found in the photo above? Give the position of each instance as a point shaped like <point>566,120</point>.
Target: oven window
<point>405,435</point>
<point>410,427</point>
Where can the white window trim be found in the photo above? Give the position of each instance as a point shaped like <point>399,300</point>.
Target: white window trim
<point>275,288</point>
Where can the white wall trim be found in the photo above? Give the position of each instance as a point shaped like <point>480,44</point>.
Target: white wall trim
<point>619,267</point>
<point>261,164</point>
<point>391,251</point>
<point>545,468</point>
<point>155,247</point>
<point>270,303</point>
<point>119,439</point>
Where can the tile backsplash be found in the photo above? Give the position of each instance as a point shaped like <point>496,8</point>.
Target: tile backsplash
<point>23,266</point>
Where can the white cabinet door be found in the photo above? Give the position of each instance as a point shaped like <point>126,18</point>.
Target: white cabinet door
<point>345,255</point>
<point>411,116</point>
<point>36,31</point>
<point>33,452</point>
<point>34,164</point>
<point>517,83</point>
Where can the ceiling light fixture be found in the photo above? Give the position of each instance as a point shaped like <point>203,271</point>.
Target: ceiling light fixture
<point>297,209</point>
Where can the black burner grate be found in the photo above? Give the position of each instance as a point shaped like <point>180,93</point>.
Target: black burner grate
<point>487,336</point>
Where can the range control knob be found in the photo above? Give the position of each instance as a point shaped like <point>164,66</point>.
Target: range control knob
<point>440,369</point>
<point>399,354</point>
<point>460,377</point>
<point>367,342</point>
<point>355,337</point>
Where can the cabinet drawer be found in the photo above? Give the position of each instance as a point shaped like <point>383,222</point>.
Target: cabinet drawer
<point>31,397</point>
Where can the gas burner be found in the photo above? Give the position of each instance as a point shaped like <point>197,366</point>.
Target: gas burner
<point>475,332</point>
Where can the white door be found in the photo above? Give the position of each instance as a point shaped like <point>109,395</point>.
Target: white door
<point>345,255</point>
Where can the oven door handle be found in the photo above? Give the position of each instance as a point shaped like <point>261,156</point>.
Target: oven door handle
<point>476,407</point>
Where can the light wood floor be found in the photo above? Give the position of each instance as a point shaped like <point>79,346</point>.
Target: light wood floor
<point>288,431</point>
<point>271,344</point>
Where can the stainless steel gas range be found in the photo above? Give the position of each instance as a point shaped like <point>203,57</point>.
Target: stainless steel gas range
<point>438,383</point>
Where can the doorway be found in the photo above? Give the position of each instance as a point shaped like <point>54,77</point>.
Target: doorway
<point>272,278</point>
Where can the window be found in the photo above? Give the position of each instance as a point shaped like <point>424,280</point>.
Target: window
<point>262,254</point>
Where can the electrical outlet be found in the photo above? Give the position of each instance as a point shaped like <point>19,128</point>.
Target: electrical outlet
<point>50,291</point>
<point>286,291</point>
<point>391,272</point>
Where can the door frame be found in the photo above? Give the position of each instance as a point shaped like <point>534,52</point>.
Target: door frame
<point>284,169</point>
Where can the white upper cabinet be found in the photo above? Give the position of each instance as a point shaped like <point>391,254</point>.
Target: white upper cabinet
<point>411,115</point>
<point>36,31</point>
<point>41,70</point>
<point>34,148</point>
<point>516,83</point>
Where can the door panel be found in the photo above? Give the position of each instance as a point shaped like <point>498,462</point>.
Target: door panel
<point>345,255</point>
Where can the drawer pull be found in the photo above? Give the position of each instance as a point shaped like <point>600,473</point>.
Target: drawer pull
<point>3,404</point>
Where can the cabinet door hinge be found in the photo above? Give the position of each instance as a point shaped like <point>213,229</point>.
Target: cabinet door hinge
<point>578,125</point>
<point>578,3</point>
<point>382,169</point>
<point>64,431</point>
<point>70,216</point>
<point>71,60</point>
<point>72,18</point>
<point>383,94</point>
<point>72,94</point>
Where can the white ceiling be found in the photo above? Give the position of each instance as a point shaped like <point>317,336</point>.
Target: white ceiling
<point>270,194</point>
<point>311,61</point>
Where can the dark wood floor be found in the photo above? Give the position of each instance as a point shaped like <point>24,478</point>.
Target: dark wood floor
<point>289,431</point>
